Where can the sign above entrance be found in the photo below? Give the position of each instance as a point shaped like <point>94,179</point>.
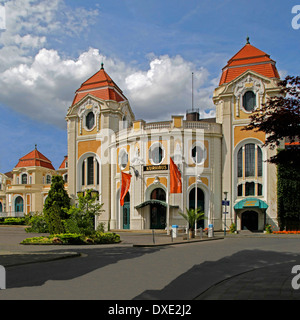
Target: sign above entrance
<point>251,203</point>
<point>156,168</point>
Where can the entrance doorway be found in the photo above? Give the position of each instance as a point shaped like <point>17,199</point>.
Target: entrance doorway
<point>126,212</point>
<point>200,203</point>
<point>158,211</point>
<point>250,220</point>
<point>19,204</point>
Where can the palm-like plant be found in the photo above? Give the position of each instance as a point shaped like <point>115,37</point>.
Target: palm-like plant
<point>192,216</point>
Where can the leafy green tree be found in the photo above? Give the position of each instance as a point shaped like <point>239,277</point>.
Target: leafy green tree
<point>81,219</point>
<point>56,205</point>
<point>279,118</point>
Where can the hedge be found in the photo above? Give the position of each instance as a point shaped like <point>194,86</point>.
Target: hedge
<point>74,239</point>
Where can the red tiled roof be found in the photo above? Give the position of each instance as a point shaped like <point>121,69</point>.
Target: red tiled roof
<point>34,159</point>
<point>249,58</point>
<point>101,86</point>
<point>63,164</point>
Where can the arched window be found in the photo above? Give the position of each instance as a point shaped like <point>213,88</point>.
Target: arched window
<point>249,167</point>
<point>19,204</point>
<point>249,101</point>
<point>24,178</point>
<point>48,179</point>
<point>90,120</point>
<point>88,168</point>
<point>158,194</point>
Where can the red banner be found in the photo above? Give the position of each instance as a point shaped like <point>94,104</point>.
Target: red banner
<point>126,179</point>
<point>175,178</point>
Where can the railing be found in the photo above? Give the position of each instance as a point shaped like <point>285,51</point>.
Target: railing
<point>11,214</point>
<point>158,125</point>
<point>212,127</point>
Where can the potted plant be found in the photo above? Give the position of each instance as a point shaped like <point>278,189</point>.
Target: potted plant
<point>192,216</point>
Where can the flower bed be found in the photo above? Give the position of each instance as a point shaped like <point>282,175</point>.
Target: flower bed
<point>74,239</point>
<point>286,232</point>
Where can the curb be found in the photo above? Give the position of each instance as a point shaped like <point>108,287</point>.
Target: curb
<point>178,242</point>
<point>35,257</point>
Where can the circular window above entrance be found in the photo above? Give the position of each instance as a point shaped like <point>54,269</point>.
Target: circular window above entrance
<point>198,153</point>
<point>123,159</point>
<point>156,153</point>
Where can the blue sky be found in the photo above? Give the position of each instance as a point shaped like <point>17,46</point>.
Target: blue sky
<point>150,49</point>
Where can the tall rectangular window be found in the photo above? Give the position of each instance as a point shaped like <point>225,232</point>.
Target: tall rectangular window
<point>90,170</point>
<point>240,163</point>
<point>249,160</point>
<point>259,162</point>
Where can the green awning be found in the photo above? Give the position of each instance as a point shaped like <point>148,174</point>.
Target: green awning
<point>153,201</point>
<point>251,203</point>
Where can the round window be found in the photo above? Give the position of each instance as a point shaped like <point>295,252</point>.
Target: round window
<point>123,159</point>
<point>198,154</point>
<point>90,120</point>
<point>156,154</point>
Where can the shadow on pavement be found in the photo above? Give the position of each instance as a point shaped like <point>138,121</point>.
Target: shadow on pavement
<point>262,271</point>
<point>37,274</point>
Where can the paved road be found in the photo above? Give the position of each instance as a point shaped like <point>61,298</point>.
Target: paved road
<point>233,268</point>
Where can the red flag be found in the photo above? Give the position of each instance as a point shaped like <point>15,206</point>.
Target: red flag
<point>126,178</point>
<point>175,178</point>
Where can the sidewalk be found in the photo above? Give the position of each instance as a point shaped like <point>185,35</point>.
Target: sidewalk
<point>149,238</point>
<point>12,253</point>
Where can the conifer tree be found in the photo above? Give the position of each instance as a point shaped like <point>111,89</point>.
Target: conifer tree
<point>55,205</point>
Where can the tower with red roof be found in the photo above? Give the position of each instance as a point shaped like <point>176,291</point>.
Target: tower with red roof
<point>249,78</point>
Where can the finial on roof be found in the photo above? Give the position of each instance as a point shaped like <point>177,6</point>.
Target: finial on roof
<point>102,65</point>
<point>248,42</point>
<point>35,146</point>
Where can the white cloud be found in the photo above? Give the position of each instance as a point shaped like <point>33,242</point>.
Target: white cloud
<point>44,89</point>
<point>41,82</point>
<point>166,88</point>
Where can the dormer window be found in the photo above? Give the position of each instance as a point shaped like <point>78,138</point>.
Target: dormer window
<point>249,101</point>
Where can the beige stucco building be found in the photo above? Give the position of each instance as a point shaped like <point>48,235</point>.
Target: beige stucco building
<point>216,157</point>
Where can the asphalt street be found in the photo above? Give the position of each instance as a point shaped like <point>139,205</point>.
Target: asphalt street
<point>233,268</point>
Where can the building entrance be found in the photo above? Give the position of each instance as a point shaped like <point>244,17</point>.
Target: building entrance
<point>250,220</point>
<point>157,210</point>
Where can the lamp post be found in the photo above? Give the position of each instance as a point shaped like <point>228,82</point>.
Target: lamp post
<point>225,210</point>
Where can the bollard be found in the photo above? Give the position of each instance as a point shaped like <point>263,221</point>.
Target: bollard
<point>2,278</point>
<point>153,238</point>
<point>201,233</point>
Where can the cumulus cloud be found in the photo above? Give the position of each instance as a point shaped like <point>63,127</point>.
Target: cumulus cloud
<point>166,88</point>
<point>40,82</point>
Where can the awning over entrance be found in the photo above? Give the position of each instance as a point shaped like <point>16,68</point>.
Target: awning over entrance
<point>251,203</point>
<point>153,201</point>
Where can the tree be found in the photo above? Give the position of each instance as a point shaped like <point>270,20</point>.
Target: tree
<point>279,118</point>
<point>55,205</point>
<point>81,219</point>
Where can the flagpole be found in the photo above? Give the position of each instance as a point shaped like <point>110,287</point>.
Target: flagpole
<point>168,204</point>
<point>196,191</point>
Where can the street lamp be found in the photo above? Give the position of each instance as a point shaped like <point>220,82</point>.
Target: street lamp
<point>225,211</point>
